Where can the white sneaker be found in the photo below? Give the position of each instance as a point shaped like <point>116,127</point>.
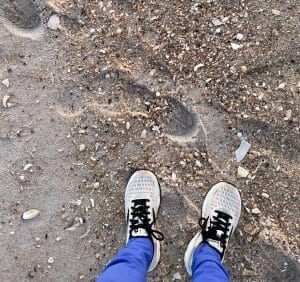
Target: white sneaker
<point>142,200</point>
<point>220,215</point>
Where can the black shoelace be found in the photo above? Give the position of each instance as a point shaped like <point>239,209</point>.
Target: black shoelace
<point>140,219</point>
<point>220,222</point>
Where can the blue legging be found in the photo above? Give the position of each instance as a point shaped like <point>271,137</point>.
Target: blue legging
<point>132,262</point>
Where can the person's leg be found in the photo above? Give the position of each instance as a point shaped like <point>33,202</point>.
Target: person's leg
<point>220,215</point>
<point>207,265</point>
<point>131,263</point>
<point>142,251</point>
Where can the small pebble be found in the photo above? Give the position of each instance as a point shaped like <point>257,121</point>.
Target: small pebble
<point>198,67</point>
<point>92,203</point>
<point>54,22</point>
<point>152,72</point>
<point>281,85</point>
<point>5,82</point>
<point>265,195</point>
<point>5,101</point>
<point>81,147</point>
<point>143,134</point>
<point>242,172</point>
<point>288,115</point>
<point>128,125</point>
<point>242,151</point>
<point>176,276</point>
<point>216,22</point>
<point>244,69</point>
<point>27,166</point>
<point>50,260</point>
<point>239,36</point>
<point>235,46</point>
<point>30,214</point>
<point>97,255</point>
<point>22,177</point>
<point>173,176</point>
<point>276,12</point>
<point>256,211</point>
<point>251,229</point>
<point>96,185</point>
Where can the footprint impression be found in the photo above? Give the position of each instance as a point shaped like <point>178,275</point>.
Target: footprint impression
<point>21,18</point>
<point>191,124</point>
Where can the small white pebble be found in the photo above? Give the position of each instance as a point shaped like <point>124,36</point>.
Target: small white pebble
<point>6,82</point>
<point>30,214</point>
<point>235,46</point>
<point>50,260</point>
<point>81,147</point>
<point>242,172</point>
<point>244,69</point>
<point>27,166</point>
<point>96,185</point>
<point>276,12</point>
<point>54,22</point>
<point>239,36</point>
<point>198,67</point>
<point>143,134</point>
<point>288,115</point>
<point>281,85</point>
<point>5,101</point>
<point>265,195</point>
<point>216,22</point>
<point>256,211</point>
<point>173,176</point>
<point>92,203</point>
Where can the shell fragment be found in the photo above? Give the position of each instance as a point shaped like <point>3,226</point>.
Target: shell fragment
<point>30,214</point>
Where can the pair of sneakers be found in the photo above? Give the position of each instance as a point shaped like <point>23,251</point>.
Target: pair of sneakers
<point>220,215</point>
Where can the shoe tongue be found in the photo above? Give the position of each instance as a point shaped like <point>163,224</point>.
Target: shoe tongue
<point>215,244</point>
<point>140,232</point>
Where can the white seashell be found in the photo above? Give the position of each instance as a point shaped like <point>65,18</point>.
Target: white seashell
<point>30,214</point>
<point>27,166</point>
<point>256,211</point>
<point>54,22</point>
<point>4,101</point>
<point>242,151</point>
<point>242,172</point>
<point>6,83</point>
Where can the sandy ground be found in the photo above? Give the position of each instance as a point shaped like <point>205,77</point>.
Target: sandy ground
<point>170,86</point>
